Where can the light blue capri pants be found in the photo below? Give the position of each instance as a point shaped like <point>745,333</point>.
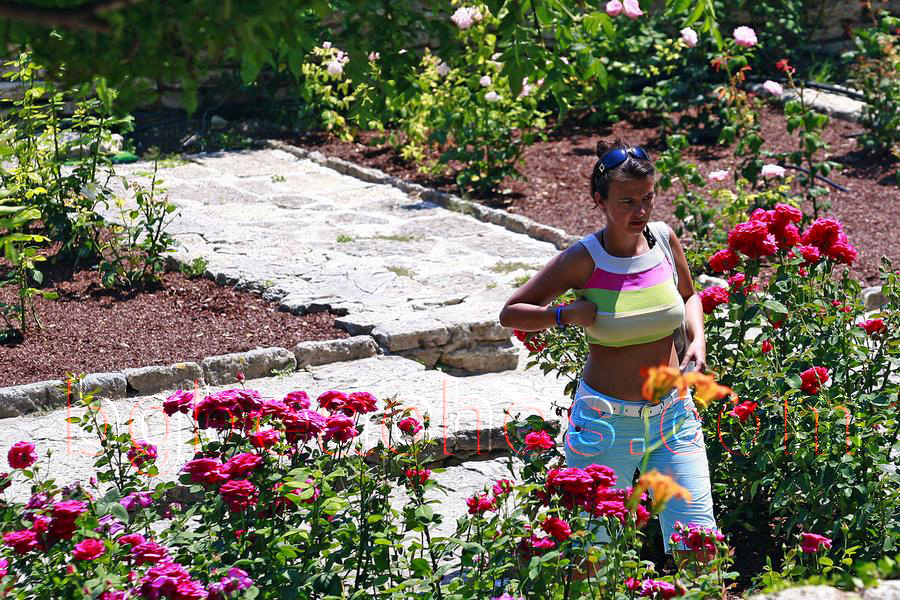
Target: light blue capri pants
<point>673,439</point>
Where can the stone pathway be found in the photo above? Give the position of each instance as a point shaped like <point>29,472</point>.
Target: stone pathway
<point>424,281</point>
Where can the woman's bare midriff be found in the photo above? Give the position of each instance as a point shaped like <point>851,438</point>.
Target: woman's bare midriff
<point>616,371</point>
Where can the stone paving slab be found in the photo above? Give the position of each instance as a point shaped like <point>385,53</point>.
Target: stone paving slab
<point>467,413</point>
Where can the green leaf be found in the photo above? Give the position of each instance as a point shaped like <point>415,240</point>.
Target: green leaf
<point>119,512</point>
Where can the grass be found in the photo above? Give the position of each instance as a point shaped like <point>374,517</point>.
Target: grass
<point>396,237</point>
<point>401,271</point>
<point>491,285</point>
<point>509,267</point>
<point>520,280</point>
<point>278,178</point>
<point>343,239</point>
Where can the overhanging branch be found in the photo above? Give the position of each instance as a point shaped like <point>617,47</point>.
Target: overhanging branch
<point>88,17</point>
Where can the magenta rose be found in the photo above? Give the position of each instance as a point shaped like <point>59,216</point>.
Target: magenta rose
<point>88,549</point>
<point>22,455</point>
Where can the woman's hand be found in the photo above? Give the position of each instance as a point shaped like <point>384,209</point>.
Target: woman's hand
<point>581,312</point>
<point>696,351</point>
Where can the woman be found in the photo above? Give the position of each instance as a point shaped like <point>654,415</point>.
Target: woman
<point>630,307</point>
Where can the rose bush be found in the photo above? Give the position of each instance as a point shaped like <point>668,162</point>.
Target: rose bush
<point>310,515</point>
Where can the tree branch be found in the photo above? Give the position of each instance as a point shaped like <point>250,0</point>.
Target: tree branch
<point>88,17</point>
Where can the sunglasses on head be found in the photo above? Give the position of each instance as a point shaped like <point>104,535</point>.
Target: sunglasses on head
<point>616,157</point>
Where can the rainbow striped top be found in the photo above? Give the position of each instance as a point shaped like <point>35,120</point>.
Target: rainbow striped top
<point>636,296</point>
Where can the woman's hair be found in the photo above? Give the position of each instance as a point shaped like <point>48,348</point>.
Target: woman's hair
<point>632,168</point>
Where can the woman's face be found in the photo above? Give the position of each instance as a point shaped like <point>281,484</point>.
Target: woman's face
<point>629,204</point>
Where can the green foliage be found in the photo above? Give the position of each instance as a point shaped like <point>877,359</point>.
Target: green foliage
<point>16,248</point>
<point>877,74</point>
<point>819,460</point>
<point>133,249</point>
<point>195,268</point>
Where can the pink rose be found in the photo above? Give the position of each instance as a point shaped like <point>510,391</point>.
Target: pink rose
<point>614,8</point>
<point>632,9</point>
<point>772,171</point>
<point>689,37</point>
<point>744,36</point>
<point>465,17</point>
<point>810,542</point>
<point>718,175</point>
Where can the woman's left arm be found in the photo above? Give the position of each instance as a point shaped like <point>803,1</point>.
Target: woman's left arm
<point>693,307</point>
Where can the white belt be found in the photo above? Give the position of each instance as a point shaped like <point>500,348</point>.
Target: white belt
<point>627,409</point>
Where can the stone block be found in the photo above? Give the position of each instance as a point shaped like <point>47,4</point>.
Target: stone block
<point>411,333</point>
<point>483,358</point>
<point>261,362</point>
<point>425,356</point>
<point>330,351</point>
<point>150,380</point>
<point>490,330</point>
<point>22,399</point>
<point>872,298</point>
<point>105,385</point>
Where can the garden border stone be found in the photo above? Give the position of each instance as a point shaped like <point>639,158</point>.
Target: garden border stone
<point>315,353</point>
<point>836,105</point>
<point>256,363</point>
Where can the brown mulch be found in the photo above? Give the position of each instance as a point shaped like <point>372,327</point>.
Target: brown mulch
<point>89,329</point>
<point>558,170</point>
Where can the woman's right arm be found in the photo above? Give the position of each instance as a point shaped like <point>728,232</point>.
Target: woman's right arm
<point>529,307</point>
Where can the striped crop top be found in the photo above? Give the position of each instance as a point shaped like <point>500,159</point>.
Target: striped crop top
<point>636,296</point>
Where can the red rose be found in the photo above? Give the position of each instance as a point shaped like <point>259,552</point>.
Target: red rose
<point>557,527</point>
<point>21,541</point>
<point>842,251</point>
<point>333,401</point>
<point>22,455</point>
<point>712,297</point>
<point>822,233</point>
<point>783,65</point>
<point>64,514</point>
<point>361,402</point>
<point>480,503</point>
<point>148,552</point>
<point>241,465</point>
<point>785,213</point>
<point>753,239</point>
<point>873,326</point>
<point>88,549</point>
<point>603,476</point>
<point>205,470</point>
<point>339,427</point>
<point>265,438</point>
<point>420,475</point>
<point>503,486</point>
<point>238,495</point>
<point>812,379</point>
<point>531,340</point>
<point>766,346</point>
<point>811,254</point>
<point>299,400</point>
<point>743,410</point>
<point>535,441</point>
<point>180,401</point>
<point>409,426</point>
<point>810,542</point>
<point>571,479</point>
<point>723,260</point>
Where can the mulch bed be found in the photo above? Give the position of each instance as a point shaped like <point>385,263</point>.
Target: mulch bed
<point>558,170</point>
<point>89,329</point>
